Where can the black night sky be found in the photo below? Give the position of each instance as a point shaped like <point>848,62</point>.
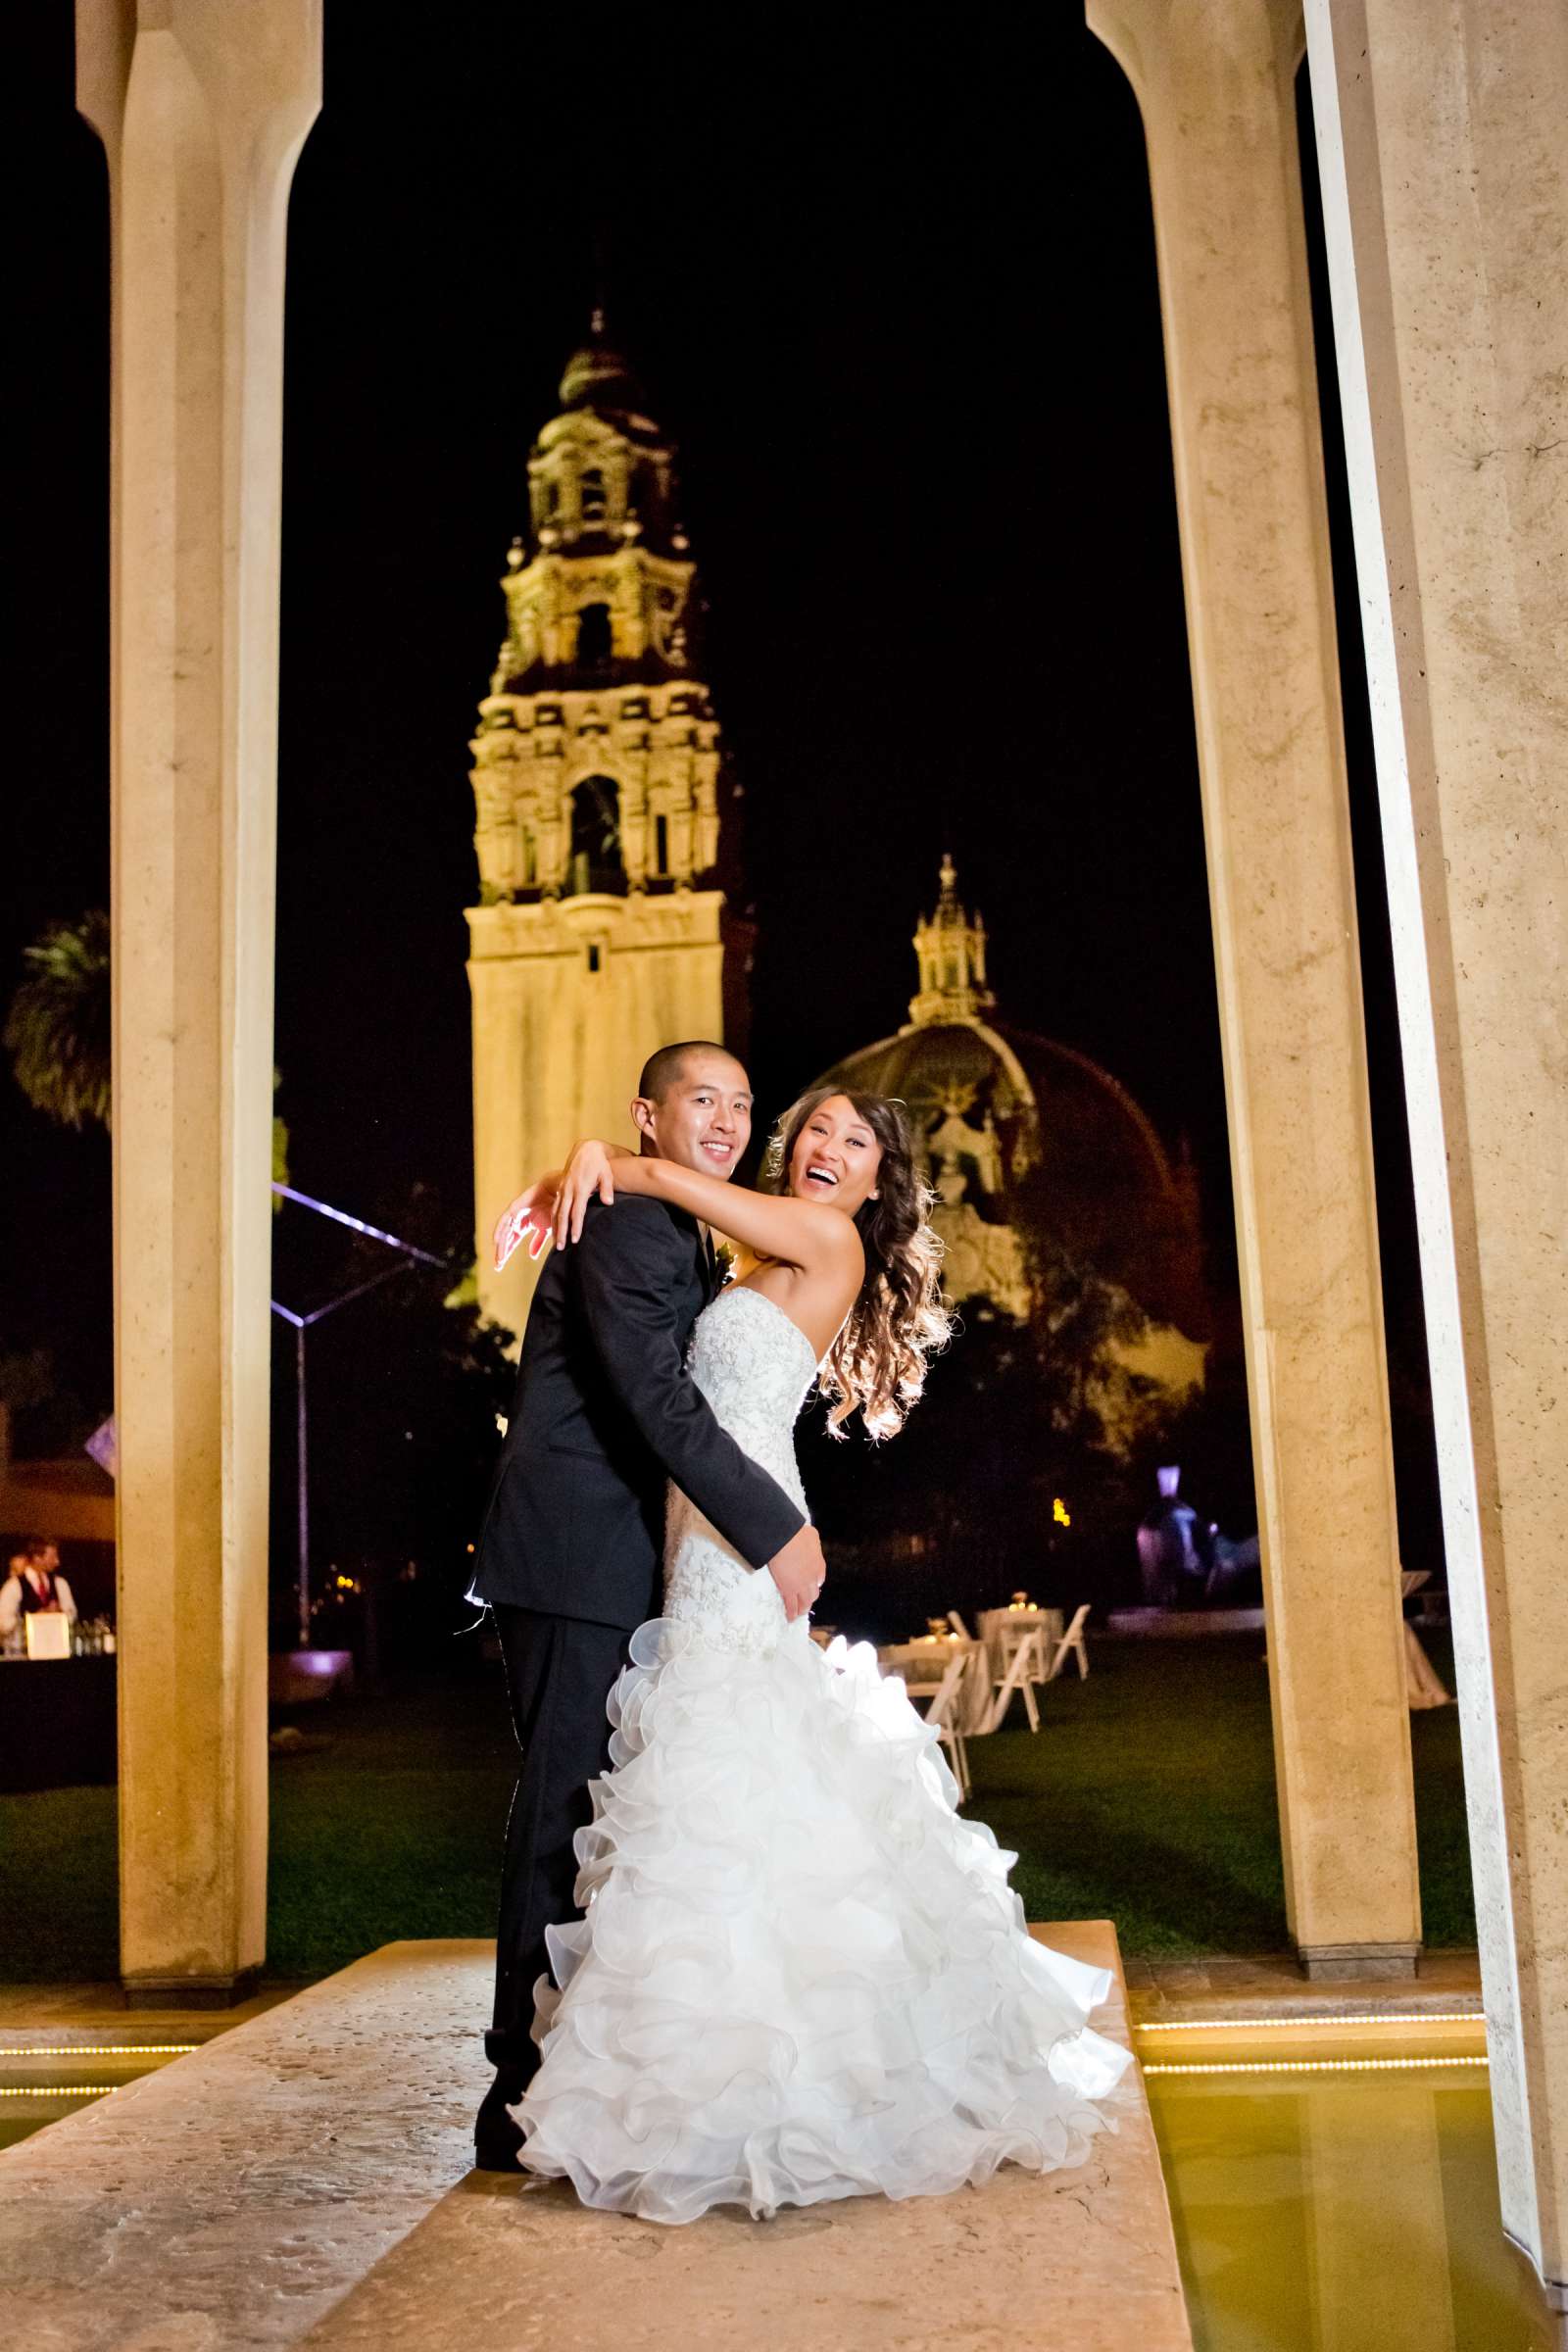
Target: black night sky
<point>890,279</point>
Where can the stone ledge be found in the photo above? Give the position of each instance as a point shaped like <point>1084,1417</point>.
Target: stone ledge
<point>1271,1985</point>
<point>304,2179</point>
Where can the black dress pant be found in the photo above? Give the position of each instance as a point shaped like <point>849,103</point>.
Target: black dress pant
<point>559,1675</point>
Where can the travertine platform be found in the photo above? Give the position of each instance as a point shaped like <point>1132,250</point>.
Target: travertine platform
<point>305,2180</point>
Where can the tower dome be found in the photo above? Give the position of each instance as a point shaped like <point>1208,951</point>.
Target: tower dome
<point>598,376</point>
<point>1032,1147</point>
<point>602,482</point>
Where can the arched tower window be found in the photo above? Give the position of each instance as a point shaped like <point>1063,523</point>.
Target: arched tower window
<point>595,858</point>
<point>645,496</point>
<point>544,500</point>
<point>591,500</point>
<point>595,638</point>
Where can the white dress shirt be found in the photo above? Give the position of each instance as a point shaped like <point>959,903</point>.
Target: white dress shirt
<point>11,1598</point>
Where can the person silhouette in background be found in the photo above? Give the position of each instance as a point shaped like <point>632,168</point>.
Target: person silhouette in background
<point>34,1586</point>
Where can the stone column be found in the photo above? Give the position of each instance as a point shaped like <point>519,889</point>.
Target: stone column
<point>1215,79</point>
<point>1445,163</point>
<point>202,107</point>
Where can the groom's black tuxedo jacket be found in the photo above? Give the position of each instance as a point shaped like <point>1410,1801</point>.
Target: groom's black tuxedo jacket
<point>605,1412</point>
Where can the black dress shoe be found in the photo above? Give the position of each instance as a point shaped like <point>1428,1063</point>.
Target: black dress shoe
<point>497,2137</point>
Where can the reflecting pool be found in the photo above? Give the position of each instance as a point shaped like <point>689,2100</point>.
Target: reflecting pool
<point>38,2083</point>
<point>1349,2208</point>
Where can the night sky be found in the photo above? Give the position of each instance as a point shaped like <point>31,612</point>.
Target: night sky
<point>889,281</point>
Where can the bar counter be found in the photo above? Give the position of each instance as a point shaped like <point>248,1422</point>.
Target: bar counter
<point>57,1723</point>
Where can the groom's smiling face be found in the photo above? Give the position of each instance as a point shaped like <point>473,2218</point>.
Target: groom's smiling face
<point>703,1118</point>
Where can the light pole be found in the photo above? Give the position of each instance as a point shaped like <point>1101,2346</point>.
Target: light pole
<point>408,1255</point>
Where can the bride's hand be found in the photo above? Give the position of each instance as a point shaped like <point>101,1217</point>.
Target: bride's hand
<point>586,1173</point>
<point>534,1213</point>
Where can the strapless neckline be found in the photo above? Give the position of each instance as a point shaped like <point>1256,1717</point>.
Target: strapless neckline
<point>744,1289</point>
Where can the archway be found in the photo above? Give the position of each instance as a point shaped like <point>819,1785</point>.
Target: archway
<point>597,860</point>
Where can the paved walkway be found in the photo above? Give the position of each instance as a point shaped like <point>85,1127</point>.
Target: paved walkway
<point>303,2180</point>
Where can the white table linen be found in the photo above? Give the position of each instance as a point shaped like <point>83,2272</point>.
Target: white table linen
<point>994,1625</point>
<point>926,1661</point>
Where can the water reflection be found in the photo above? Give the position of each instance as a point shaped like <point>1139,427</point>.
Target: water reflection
<point>21,2117</point>
<point>1341,2213</point>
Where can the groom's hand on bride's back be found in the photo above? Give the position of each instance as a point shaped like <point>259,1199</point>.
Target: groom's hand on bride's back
<point>798,1571</point>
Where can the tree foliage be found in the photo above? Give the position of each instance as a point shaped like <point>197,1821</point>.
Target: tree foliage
<point>57,1031</point>
<point>60,1030</point>
<point>1021,1414</point>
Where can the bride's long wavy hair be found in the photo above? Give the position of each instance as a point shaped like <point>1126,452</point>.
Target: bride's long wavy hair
<point>878,1363</point>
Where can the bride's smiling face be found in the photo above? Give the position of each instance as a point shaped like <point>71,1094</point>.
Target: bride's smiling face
<point>836,1158</point>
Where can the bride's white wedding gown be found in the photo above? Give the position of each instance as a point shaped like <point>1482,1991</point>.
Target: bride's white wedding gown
<point>801,1974</point>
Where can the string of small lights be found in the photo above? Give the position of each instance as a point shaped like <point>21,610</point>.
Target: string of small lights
<point>1305,2066</point>
<point>62,2091</point>
<point>106,2049</point>
<point>1311,2024</point>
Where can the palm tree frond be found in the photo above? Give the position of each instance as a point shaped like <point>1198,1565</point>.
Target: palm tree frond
<point>59,1031</point>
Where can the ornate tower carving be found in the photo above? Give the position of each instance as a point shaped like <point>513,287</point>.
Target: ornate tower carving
<point>600,932</point>
<point>950,947</point>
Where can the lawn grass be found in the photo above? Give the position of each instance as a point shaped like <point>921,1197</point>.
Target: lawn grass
<point>59,1897</point>
<point>1147,1797</point>
<point>396,1830</point>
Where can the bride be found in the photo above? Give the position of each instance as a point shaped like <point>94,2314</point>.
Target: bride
<point>801,1974</point>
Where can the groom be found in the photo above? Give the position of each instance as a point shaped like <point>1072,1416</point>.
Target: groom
<point>570,1555</point>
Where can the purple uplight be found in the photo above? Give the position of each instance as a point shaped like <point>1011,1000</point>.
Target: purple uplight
<point>340,1217</point>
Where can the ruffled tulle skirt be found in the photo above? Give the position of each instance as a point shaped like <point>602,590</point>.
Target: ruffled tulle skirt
<point>801,1974</point>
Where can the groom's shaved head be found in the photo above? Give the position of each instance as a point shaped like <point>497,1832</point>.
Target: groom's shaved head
<point>665,1068</point>
<point>694,1105</point>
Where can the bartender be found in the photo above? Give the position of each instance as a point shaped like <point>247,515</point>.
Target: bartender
<point>34,1585</point>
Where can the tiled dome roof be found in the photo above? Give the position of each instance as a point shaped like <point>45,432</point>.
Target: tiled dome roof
<point>1031,1134</point>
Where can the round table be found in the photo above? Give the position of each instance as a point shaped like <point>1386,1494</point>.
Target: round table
<point>994,1627</point>
<point>926,1659</point>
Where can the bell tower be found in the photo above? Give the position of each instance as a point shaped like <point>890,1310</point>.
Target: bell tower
<point>601,930</point>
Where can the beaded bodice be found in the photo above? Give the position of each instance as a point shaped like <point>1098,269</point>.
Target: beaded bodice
<point>755,1367</point>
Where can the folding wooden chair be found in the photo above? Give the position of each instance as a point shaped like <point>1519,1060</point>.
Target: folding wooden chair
<point>1072,1639</point>
<point>942,1712</point>
<point>959,1625</point>
<point>1008,1631</point>
<point>1025,1668</point>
